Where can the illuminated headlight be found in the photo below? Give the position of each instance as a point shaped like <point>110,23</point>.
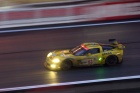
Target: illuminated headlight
<point>53,66</point>
<point>56,60</point>
<point>49,54</point>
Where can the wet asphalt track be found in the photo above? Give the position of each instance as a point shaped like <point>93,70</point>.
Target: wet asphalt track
<point>22,54</point>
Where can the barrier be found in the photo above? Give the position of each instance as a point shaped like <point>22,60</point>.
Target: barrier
<point>71,13</point>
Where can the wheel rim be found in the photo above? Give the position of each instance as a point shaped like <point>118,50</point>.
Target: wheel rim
<point>112,61</point>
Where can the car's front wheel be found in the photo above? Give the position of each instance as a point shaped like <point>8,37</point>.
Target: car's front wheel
<point>111,60</point>
<point>66,65</point>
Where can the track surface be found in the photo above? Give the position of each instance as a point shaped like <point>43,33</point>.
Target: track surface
<point>22,54</point>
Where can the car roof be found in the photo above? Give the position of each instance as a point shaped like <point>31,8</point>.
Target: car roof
<point>91,44</point>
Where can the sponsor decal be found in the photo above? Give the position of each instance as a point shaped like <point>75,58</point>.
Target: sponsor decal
<point>107,53</point>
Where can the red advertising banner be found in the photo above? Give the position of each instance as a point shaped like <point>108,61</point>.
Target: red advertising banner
<point>74,13</point>
<point>17,15</point>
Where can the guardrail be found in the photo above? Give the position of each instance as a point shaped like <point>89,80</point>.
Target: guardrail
<point>70,13</point>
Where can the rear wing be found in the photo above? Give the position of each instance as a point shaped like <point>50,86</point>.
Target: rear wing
<point>115,43</point>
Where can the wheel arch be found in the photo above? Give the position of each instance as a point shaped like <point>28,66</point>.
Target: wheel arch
<point>112,56</point>
<point>69,60</point>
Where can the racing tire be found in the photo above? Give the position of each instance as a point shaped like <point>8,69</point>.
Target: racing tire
<point>66,65</point>
<point>111,61</point>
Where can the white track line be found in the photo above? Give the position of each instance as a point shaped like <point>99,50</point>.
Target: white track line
<point>72,26</point>
<point>69,83</point>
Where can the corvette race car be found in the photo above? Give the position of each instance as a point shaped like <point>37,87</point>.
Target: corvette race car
<point>86,54</point>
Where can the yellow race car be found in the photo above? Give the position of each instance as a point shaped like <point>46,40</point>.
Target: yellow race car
<point>86,54</point>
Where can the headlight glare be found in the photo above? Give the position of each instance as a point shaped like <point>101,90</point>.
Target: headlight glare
<point>49,54</point>
<point>56,60</point>
<point>53,66</point>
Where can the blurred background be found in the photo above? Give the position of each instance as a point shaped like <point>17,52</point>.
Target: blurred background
<point>21,2</point>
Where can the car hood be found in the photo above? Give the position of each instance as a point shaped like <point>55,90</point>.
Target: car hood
<point>64,53</point>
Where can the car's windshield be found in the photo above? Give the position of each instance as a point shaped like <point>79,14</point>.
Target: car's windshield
<point>79,50</point>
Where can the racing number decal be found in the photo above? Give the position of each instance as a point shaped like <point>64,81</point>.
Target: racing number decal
<point>89,61</point>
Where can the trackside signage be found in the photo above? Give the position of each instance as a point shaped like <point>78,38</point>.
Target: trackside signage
<point>80,13</point>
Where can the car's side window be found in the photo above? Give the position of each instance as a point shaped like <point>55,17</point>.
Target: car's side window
<point>94,51</point>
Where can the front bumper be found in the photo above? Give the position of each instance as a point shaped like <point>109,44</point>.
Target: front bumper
<point>51,66</point>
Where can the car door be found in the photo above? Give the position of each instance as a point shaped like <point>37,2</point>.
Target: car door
<point>92,57</point>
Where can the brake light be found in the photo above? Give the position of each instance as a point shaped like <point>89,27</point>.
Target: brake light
<point>83,46</point>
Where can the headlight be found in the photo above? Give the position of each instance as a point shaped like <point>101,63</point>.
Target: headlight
<point>56,60</point>
<point>49,54</point>
<point>53,66</point>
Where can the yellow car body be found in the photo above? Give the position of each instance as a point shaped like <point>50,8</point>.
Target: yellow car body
<point>86,54</point>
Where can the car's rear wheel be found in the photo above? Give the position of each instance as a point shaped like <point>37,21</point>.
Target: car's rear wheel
<point>66,65</point>
<point>111,61</point>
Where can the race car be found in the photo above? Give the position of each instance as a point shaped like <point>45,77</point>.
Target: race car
<point>86,54</point>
